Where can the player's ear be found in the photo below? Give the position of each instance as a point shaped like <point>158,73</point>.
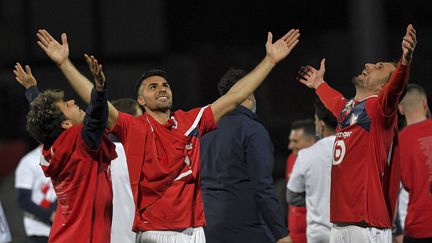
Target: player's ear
<point>66,124</point>
<point>401,110</point>
<point>141,101</point>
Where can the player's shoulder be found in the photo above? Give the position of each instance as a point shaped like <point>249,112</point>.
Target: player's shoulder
<point>410,130</point>
<point>307,154</point>
<point>317,148</point>
<point>31,156</point>
<point>371,101</point>
<point>191,114</point>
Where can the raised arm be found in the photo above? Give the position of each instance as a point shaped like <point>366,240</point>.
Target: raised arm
<point>59,54</point>
<point>99,77</point>
<point>314,79</point>
<point>390,96</point>
<point>27,80</point>
<point>97,112</point>
<point>247,85</point>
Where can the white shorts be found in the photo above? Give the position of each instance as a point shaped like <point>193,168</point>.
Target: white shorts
<point>189,235</point>
<point>356,234</point>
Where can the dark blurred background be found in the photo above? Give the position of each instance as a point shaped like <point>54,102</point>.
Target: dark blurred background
<point>196,42</point>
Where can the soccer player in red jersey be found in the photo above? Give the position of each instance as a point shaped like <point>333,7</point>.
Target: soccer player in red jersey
<point>76,155</point>
<point>365,171</point>
<point>162,147</point>
<point>416,164</point>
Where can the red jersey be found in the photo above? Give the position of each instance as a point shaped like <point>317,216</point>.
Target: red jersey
<point>163,163</point>
<point>82,182</point>
<point>365,172</point>
<point>289,165</point>
<point>296,215</point>
<point>416,173</point>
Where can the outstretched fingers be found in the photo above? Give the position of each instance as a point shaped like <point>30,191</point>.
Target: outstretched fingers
<point>87,59</point>
<point>322,65</point>
<point>95,67</point>
<point>269,38</point>
<point>24,77</point>
<point>19,68</point>
<point>28,70</point>
<point>47,35</point>
<point>305,72</point>
<point>292,39</point>
<point>288,34</point>
<point>410,38</point>
<point>42,39</point>
<point>64,39</point>
<point>91,62</point>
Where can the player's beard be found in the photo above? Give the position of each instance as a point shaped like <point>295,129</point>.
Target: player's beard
<point>163,107</point>
<point>358,83</point>
<point>159,107</point>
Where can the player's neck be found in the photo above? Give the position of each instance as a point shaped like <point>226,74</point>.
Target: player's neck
<point>415,117</point>
<point>362,95</point>
<point>160,116</point>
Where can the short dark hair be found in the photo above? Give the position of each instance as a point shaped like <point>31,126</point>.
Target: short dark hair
<point>149,73</point>
<point>126,105</point>
<point>229,79</point>
<point>325,115</point>
<point>44,117</point>
<point>412,87</point>
<point>308,126</point>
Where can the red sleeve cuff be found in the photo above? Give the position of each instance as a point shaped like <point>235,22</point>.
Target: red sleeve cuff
<point>322,88</point>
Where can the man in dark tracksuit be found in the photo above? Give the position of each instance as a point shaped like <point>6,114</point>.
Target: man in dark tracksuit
<point>240,202</point>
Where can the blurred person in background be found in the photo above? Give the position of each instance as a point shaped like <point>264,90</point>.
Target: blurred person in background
<point>35,196</point>
<point>309,183</point>
<point>302,136</point>
<point>416,164</point>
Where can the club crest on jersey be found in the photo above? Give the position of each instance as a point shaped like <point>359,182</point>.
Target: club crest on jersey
<point>353,119</point>
<point>347,108</point>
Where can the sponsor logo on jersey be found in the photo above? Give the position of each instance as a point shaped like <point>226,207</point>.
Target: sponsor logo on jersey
<point>343,134</point>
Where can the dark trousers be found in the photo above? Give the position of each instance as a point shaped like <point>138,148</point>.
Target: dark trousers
<point>408,239</point>
<point>37,239</point>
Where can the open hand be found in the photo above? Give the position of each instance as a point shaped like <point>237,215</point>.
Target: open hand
<point>282,47</point>
<point>59,53</point>
<point>96,70</point>
<point>311,77</point>
<point>409,43</point>
<point>24,77</point>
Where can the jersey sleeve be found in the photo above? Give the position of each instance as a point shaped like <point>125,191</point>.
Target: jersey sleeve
<point>207,122</point>
<point>297,180</point>
<point>95,119</point>
<point>120,129</point>
<point>31,93</point>
<point>332,99</point>
<point>392,91</point>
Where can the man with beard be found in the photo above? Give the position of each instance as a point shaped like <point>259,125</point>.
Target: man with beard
<point>365,172</point>
<point>163,147</point>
